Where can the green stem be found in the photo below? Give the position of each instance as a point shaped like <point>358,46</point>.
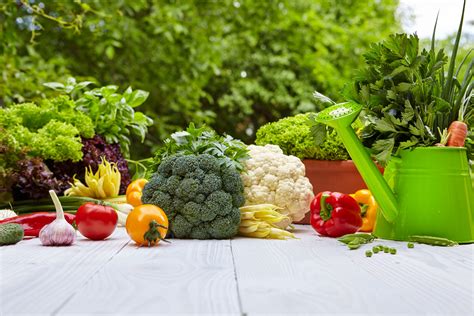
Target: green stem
<point>57,205</point>
<point>326,208</point>
<point>153,233</point>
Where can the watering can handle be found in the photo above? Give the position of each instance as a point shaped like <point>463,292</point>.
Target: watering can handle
<point>369,172</point>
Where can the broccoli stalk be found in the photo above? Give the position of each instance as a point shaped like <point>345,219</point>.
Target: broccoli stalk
<point>200,196</point>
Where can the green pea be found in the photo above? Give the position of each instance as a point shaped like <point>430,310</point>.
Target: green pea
<point>393,251</point>
<point>386,249</point>
<point>368,253</point>
<point>375,249</point>
<point>411,245</point>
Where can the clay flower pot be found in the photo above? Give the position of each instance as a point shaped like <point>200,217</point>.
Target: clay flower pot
<point>338,175</point>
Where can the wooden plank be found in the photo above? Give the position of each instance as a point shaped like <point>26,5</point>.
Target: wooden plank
<point>35,279</point>
<point>186,276</point>
<point>321,276</point>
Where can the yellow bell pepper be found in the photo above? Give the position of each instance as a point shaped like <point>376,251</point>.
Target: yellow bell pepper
<point>368,209</point>
<point>134,192</point>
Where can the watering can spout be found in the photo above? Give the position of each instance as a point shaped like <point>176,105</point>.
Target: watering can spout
<point>340,117</point>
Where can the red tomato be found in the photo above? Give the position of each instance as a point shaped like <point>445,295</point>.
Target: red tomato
<point>95,221</point>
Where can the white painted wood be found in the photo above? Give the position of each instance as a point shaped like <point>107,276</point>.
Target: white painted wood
<point>310,275</point>
<point>36,279</point>
<point>321,276</point>
<point>186,276</point>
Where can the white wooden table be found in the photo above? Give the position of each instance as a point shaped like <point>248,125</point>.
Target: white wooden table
<point>310,275</point>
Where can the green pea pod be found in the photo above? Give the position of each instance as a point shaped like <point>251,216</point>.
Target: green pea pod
<point>356,243</point>
<point>350,237</point>
<point>434,241</point>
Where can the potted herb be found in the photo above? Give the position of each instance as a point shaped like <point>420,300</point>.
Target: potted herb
<point>413,97</point>
<point>327,164</point>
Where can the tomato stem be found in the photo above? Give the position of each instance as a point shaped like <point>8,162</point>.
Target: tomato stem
<point>153,234</point>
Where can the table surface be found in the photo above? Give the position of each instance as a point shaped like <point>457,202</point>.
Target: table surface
<point>308,275</point>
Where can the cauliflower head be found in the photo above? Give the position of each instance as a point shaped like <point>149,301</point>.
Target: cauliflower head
<point>275,178</point>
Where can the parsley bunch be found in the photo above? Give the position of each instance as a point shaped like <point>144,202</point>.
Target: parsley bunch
<point>409,99</point>
<point>204,140</point>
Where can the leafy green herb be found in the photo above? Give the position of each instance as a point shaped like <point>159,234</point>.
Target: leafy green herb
<point>407,95</point>
<point>112,113</point>
<point>204,140</point>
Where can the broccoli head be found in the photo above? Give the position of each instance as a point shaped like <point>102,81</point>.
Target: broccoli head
<point>200,196</point>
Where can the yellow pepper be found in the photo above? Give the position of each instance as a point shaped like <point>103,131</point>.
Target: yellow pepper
<point>368,209</point>
<point>134,192</point>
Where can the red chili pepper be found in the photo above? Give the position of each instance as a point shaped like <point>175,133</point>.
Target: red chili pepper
<point>32,223</point>
<point>335,214</point>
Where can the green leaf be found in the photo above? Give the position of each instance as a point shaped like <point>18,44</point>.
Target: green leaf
<point>408,113</point>
<point>137,98</point>
<point>383,149</point>
<point>318,133</point>
<point>384,125</point>
<point>110,52</point>
<point>54,85</point>
<point>408,144</point>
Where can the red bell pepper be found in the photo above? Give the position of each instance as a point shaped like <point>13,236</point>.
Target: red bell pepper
<point>32,223</point>
<point>335,214</point>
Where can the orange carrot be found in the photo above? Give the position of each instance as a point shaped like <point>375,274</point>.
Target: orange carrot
<point>457,134</point>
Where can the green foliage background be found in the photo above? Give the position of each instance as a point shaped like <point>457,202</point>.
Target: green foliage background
<point>234,65</point>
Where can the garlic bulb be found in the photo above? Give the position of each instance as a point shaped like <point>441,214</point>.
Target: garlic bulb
<point>59,232</point>
<point>4,214</point>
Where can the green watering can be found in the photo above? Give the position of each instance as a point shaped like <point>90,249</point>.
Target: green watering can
<point>426,191</point>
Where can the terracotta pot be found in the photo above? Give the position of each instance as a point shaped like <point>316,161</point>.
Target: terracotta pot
<point>340,175</point>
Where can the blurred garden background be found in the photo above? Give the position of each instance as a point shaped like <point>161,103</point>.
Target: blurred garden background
<point>232,64</point>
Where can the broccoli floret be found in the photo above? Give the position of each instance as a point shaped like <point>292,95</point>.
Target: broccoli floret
<point>233,182</point>
<point>187,189</point>
<point>170,184</point>
<point>197,174</point>
<point>184,164</point>
<point>181,228</point>
<point>192,212</point>
<point>224,226</point>
<point>200,232</point>
<point>220,202</point>
<point>201,199</point>
<point>238,199</point>
<point>165,168</point>
<point>210,183</point>
<point>208,165</point>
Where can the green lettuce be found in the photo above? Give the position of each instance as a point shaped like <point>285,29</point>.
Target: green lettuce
<point>293,135</point>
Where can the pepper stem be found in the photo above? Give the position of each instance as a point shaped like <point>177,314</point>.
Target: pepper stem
<point>153,234</point>
<point>363,210</point>
<point>57,205</point>
<point>326,208</point>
